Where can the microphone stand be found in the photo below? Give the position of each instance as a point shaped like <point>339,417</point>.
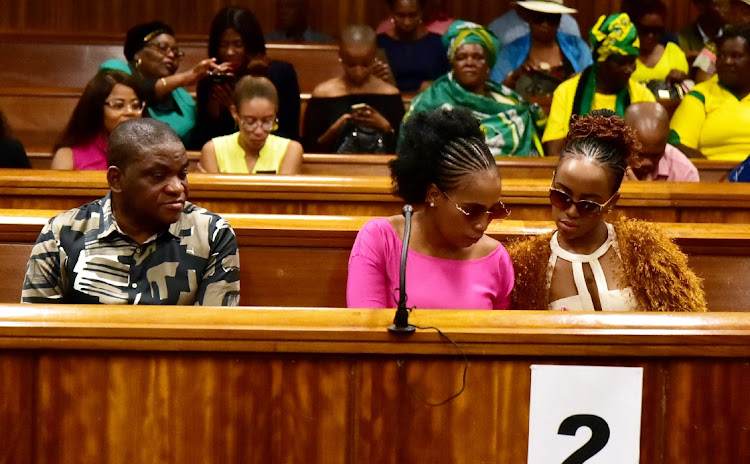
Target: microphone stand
<point>401,320</point>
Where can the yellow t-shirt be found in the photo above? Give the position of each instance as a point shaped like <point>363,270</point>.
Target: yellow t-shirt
<point>562,105</point>
<point>714,121</point>
<point>673,58</point>
<point>231,157</point>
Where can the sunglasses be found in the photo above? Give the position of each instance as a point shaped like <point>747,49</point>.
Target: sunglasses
<point>585,208</point>
<point>475,213</point>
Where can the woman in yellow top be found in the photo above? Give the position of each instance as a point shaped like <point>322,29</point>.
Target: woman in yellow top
<point>253,149</point>
<point>713,119</point>
<point>606,84</point>
<point>657,62</point>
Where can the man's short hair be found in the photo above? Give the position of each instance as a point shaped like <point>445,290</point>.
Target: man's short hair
<point>132,137</point>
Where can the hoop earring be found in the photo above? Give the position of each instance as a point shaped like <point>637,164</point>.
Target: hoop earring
<point>138,62</point>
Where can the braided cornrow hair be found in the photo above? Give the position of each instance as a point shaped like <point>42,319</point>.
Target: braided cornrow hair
<point>439,147</point>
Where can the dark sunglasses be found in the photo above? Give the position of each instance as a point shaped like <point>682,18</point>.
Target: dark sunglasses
<point>646,30</point>
<point>585,208</point>
<point>539,17</point>
<point>475,213</point>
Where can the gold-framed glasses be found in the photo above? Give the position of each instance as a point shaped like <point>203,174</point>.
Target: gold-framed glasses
<point>476,212</point>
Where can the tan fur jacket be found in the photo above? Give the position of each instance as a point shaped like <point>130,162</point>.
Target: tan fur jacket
<point>655,269</point>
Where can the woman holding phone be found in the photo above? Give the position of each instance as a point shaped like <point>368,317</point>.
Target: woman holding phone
<point>355,112</point>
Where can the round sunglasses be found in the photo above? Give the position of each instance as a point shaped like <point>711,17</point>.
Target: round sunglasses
<point>585,208</point>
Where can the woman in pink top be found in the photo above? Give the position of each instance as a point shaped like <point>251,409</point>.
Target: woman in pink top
<point>109,98</point>
<point>446,171</point>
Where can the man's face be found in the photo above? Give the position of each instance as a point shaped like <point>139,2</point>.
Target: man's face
<point>154,185</point>
<point>653,142</point>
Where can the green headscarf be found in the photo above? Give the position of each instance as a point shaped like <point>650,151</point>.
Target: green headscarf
<point>465,32</point>
<point>613,35</point>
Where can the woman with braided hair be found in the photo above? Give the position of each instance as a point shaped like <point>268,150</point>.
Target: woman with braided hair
<point>589,264</point>
<point>445,170</point>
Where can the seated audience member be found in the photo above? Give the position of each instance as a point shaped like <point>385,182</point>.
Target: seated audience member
<point>588,264</point>
<point>736,13</point>
<point>292,24</point>
<point>509,122</point>
<point>604,85</point>
<point>236,41</point>
<point>511,26</point>
<point>109,98</point>
<point>434,17</point>
<point>416,56</point>
<point>355,112</point>
<point>706,28</point>
<point>632,9</point>
<point>253,149</point>
<point>657,160</point>
<point>12,153</point>
<point>143,243</point>
<point>712,121</point>
<point>153,57</point>
<point>446,171</point>
<point>538,62</point>
<point>657,62</point>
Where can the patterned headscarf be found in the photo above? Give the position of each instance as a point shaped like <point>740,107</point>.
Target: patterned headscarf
<point>466,32</point>
<point>613,35</point>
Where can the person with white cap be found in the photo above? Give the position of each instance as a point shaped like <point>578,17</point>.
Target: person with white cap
<point>511,26</point>
<point>546,55</point>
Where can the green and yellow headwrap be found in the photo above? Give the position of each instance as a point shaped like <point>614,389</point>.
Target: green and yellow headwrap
<point>613,35</point>
<point>466,32</point>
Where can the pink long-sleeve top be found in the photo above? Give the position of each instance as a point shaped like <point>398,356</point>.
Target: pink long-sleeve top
<point>431,283</point>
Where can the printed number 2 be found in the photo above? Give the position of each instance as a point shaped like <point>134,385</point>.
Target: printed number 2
<point>599,436</point>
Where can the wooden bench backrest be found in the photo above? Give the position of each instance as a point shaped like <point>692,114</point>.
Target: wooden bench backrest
<point>371,196</point>
<point>302,261</point>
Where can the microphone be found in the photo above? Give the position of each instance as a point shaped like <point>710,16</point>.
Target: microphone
<point>401,321</point>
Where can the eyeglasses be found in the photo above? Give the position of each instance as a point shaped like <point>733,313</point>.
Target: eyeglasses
<point>475,213</point>
<point>585,208</point>
<point>653,30</point>
<point>119,105</point>
<point>250,124</point>
<point>164,49</point>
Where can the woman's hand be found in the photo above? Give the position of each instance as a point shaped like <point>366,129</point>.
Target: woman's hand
<point>369,116</point>
<point>330,135</point>
<point>220,99</point>
<point>204,67</point>
<point>676,76</point>
<point>382,70</point>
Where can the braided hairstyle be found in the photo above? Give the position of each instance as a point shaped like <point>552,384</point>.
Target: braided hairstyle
<point>439,147</point>
<point>604,138</point>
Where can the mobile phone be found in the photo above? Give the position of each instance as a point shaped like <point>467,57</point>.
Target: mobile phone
<point>221,77</point>
<point>359,107</point>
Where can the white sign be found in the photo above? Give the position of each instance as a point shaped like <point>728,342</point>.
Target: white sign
<point>585,414</point>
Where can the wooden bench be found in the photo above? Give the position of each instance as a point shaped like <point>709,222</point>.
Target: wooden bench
<point>289,260</point>
<point>371,196</point>
<point>188,384</point>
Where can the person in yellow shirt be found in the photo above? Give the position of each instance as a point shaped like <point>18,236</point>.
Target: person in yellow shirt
<point>657,62</point>
<point>712,121</point>
<point>253,149</point>
<point>604,85</point>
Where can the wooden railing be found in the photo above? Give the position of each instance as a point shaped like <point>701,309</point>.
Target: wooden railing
<point>187,384</point>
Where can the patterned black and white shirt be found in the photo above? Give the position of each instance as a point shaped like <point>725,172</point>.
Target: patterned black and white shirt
<point>82,257</point>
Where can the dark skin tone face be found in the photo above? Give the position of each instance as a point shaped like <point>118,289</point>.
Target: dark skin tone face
<point>653,142</point>
<point>357,62</point>
<point>150,191</point>
<point>733,65</point>
<point>470,68</point>
<point>158,58</point>
<point>543,26</point>
<point>650,31</point>
<point>407,17</point>
<point>614,73</point>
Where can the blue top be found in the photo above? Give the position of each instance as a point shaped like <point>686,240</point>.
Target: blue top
<point>510,27</point>
<point>416,61</point>
<point>741,173</point>
<point>513,55</point>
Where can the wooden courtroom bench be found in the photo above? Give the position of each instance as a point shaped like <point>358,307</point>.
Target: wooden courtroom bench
<point>191,384</point>
<point>289,260</point>
<point>371,196</point>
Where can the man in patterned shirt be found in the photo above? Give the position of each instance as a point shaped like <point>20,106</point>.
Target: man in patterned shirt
<point>143,243</point>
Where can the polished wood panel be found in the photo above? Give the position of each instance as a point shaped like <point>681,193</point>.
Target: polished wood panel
<point>371,196</point>
<point>290,260</point>
<point>191,18</point>
<point>332,385</point>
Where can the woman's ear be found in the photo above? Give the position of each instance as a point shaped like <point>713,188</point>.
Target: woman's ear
<point>433,195</point>
<point>235,115</point>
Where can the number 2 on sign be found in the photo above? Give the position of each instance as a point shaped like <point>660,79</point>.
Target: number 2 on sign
<point>599,436</point>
